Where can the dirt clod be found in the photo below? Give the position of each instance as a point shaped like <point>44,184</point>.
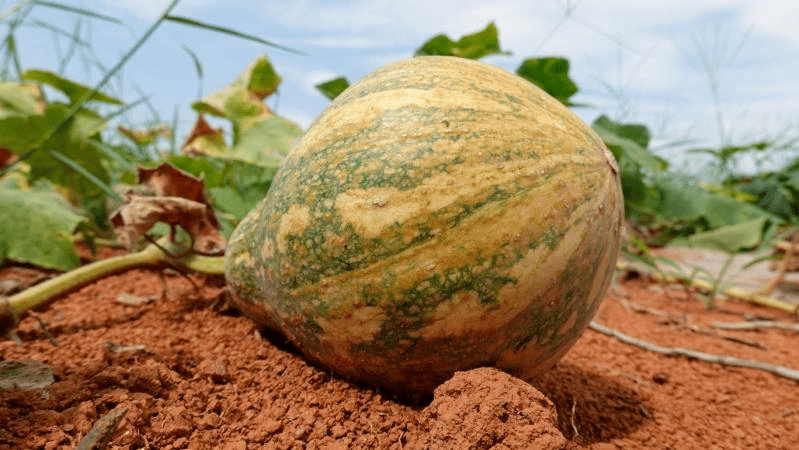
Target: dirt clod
<point>488,409</point>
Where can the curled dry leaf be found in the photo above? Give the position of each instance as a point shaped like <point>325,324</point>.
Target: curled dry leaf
<point>177,198</point>
<point>204,139</point>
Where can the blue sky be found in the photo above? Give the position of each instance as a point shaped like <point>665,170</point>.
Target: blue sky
<point>634,60</point>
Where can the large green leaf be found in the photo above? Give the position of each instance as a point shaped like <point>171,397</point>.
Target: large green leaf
<point>628,141</point>
<point>21,132</point>
<point>773,195</point>
<point>473,46</point>
<point>36,228</point>
<point>71,142</point>
<point>74,91</point>
<point>332,88</point>
<point>551,75</point>
<point>732,238</point>
<point>266,143</point>
<point>692,203</point>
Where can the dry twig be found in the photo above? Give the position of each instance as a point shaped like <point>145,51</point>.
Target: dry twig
<point>756,325</point>
<point>782,371</point>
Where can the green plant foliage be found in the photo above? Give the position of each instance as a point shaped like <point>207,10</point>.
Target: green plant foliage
<point>74,91</point>
<point>473,46</point>
<point>259,78</point>
<point>727,153</point>
<point>332,88</point>
<point>777,193</point>
<point>67,157</point>
<point>691,203</point>
<point>733,238</point>
<point>36,228</point>
<point>629,142</point>
<point>266,143</point>
<point>551,75</point>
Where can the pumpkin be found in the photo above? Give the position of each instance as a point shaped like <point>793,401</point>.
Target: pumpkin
<point>441,214</point>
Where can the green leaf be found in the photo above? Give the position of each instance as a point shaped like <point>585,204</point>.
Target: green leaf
<point>20,133</point>
<point>227,199</point>
<point>16,100</point>
<point>693,203</point>
<point>332,88</point>
<point>72,142</point>
<point>74,91</point>
<point>628,141</point>
<point>551,75</point>
<point>473,46</point>
<point>218,29</point>
<point>258,78</point>
<point>773,195</point>
<point>36,228</point>
<point>732,238</point>
<point>266,143</point>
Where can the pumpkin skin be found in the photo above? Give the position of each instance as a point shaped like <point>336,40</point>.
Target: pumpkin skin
<point>441,214</point>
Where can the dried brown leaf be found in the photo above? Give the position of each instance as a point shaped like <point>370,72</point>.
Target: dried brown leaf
<point>139,214</point>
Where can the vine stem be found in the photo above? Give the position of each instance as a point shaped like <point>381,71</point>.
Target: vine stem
<point>152,255</point>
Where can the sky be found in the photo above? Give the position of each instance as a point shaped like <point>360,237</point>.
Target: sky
<point>698,73</point>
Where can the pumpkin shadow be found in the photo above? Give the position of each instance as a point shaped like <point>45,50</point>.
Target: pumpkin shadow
<point>592,407</point>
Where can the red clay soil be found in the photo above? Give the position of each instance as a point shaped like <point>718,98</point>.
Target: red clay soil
<point>189,372</point>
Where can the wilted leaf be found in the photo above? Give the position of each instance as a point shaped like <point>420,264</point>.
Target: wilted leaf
<point>36,228</point>
<point>473,46</point>
<point>168,181</point>
<point>332,88</point>
<point>74,91</point>
<point>551,75</point>
<point>178,199</point>
<point>204,139</point>
<point>139,214</point>
<point>6,157</point>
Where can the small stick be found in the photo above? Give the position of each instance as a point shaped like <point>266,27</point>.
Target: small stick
<point>756,325</point>
<point>782,371</point>
<point>681,322</point>
<point>102,431</point>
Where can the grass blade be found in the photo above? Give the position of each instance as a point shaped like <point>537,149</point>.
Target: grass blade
<point>198,67</point>
<point>13,56</point>
<point>89,176</point>
<point>195,23</point>
<point>14,9</point>
<point>81,11</point>
<point>112,154</point>
<point>40,24</point>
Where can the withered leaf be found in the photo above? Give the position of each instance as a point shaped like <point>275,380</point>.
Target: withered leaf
<point>178,198</point>
<point>204,139</point>
<point>139,214</point>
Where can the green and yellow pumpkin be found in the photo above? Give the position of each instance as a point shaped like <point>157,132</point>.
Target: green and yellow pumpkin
<point>441,214</point>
